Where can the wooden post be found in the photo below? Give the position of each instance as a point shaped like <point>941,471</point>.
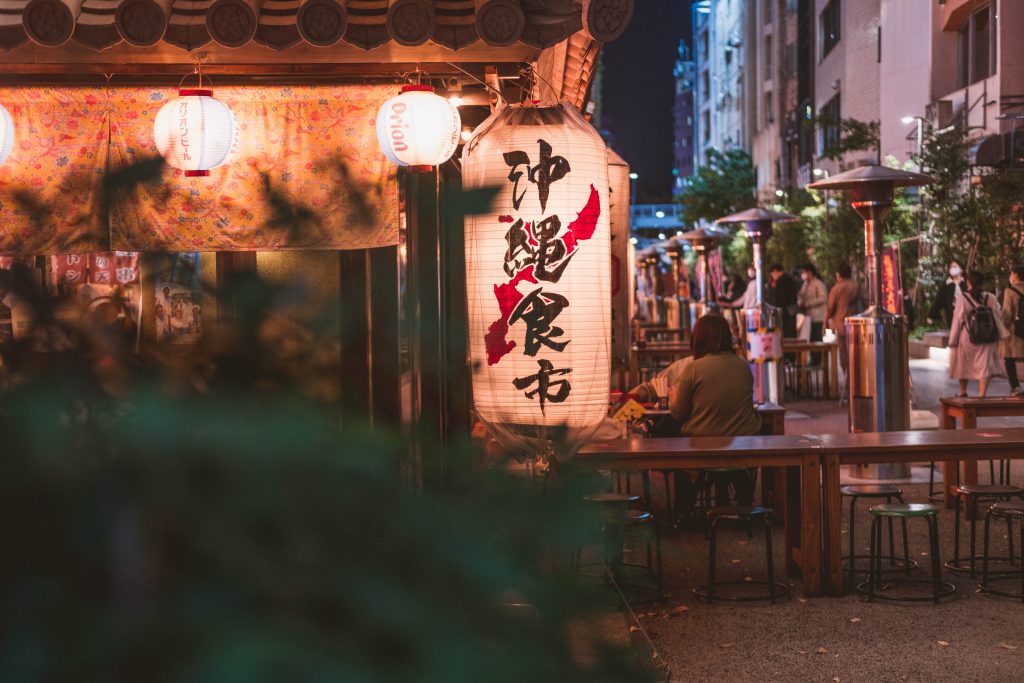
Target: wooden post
<point>833,519</point>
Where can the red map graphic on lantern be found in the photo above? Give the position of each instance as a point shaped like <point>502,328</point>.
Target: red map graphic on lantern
<point>509,296</point>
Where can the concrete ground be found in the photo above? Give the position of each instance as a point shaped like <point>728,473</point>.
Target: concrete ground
<point>969,637</point>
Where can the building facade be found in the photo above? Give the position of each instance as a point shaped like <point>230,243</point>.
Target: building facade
<point>685,73</point>
<point>720,101</point>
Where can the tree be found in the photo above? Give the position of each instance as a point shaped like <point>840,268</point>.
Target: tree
<point>723,186</point>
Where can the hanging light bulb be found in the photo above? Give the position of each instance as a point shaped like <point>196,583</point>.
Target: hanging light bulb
<point>418,128</point>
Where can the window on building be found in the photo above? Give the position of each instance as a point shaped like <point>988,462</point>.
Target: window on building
<point>705,127</point>
<point>828,126</point>
<point>829,27</point>
<point>769,109</point>
<point>768,11</point>
<point>706,83</point>
<point>728,57</point>
<point>704,46</point>
<point>768,58</point>
<point>977,46</point>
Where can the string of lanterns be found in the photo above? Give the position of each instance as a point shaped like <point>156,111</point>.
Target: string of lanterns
<point>195,132</point>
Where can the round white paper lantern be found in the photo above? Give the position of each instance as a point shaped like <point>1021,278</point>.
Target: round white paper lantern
<point>538,277</point>
<point>418,128</point>
<point>195,132</point>
<point>6,134</point>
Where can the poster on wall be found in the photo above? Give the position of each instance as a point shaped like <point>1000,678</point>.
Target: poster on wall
<point>177,311</point>
<point>105,283</point>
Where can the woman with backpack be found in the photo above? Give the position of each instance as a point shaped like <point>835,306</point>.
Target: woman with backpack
<point>1012,348</point>
<point>974,336</point>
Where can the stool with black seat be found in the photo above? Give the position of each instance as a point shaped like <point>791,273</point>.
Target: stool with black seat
<point>969,495</point>
<point>1010,511</point>
<point>746,514</point>
<point>619,521</point>
<point>879,491</point>
<point>874,587</point>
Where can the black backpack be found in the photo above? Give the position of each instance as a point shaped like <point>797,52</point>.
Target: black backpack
<point>981,323</point>
<point>1018,315</point>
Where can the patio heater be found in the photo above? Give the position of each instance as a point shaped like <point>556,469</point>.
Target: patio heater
<point>879,372</point>
<point>703,241</point>
<point>677,306</point>
<point>762,324</point>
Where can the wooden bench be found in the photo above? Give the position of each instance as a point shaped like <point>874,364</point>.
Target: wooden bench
<point>886,447</point>
<point>800,455</point>
<point>963,413</point>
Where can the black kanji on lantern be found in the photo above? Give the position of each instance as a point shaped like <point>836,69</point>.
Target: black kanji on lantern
<point>538,309</point>
<point>547,390</point>
<point>543,249</point>
<point>547,170</point>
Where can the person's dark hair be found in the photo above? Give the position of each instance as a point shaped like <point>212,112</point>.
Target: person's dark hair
<point>711,334</point>
<point>976,279</point>
<point>1019,270</point>
<point>810,268</point>
<point>776,268</point>
<point>844,271</point>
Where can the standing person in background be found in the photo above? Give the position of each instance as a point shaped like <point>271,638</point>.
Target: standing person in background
<point>975,359</point>
<point>945,300</point>
<point>781,293</point>
<point>748,298</point>
<point>811,301</point>
<point>840,304</point>
<point>1012,348</point>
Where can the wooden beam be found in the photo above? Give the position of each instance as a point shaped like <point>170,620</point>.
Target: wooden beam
<point>341,59</point>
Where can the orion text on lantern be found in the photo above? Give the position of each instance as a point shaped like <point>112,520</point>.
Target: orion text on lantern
<point>539,251</point>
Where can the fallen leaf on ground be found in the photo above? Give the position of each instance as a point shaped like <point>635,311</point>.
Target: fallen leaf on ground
<point>821,651</point>
<point>748,578</point>
<point>803,652</point>
<point>735,561</point>
<point>680,610</point>
<point>854,620</point>
<point>726,644</point>
<point>802,600</point>
<point>943,643</point>
<point>835,680</point>
<point>1007,646</point>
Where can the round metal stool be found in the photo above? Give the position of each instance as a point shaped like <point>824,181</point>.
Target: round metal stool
<point>873,586</point>
<point>855,493</point>
<point>642,580</point>
<point>748,514</point>
<point>968,496</point>
<point>1009,510</point>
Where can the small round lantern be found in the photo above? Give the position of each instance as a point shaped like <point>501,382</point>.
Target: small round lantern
<point>195,132</point>
<point>6,134</point>
<point>418,129</point>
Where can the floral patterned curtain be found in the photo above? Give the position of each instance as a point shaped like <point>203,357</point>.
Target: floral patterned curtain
<point>306,174</point>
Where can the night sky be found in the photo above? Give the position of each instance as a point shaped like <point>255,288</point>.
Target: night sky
<point>639,92</point>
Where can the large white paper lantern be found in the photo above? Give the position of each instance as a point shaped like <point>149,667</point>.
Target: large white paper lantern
<point>418,128</point>
<point>6,134</point>
<point>538,276</point>
<point>195,132</point>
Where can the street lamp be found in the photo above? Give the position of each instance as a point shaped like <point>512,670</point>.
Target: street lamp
<point>632,187</point>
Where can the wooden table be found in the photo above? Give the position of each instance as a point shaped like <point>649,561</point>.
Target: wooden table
<point>830,359</point>
<point>887,447</point>
<point>804,513</point>
<point>967,411</point>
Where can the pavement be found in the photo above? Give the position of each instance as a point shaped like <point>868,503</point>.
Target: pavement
<point>969,637</point>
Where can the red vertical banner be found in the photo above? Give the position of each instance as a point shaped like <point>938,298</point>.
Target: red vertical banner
<point>892,280</point>
<point>69,269</point>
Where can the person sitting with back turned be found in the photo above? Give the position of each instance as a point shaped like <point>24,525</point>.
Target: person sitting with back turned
<point>714,396</point>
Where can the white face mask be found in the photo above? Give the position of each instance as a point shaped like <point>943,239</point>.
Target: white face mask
<point>954,271</point>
